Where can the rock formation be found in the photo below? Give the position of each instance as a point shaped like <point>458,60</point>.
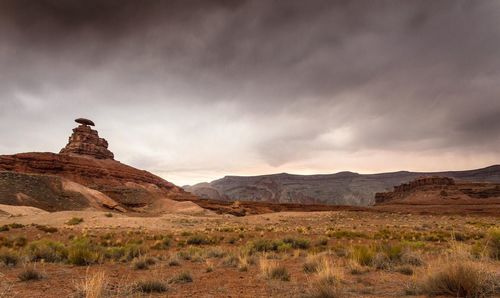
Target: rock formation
<point>402,190</point>
<point>86,141</point>
<point>87,162</point>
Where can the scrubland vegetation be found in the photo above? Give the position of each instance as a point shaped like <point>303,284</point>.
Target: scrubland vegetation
<point>323,260</point>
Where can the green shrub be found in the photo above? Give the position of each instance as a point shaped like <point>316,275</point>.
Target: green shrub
<point>108,214</point>
<point>215,252</point>
<point>182,278</point>
<point>47,250</point>
<point>263,245</point>
<point>115,253</point>
<point>163,243</point>
<point>363,255</point>
<point>16,225</point>
<point>46,229</point>
<point>151,286</point>
<point>74,221</point>
<point>297,243</point>
<point>494,244</point>
<point>198,240</point>
<point>143,263</point>
<point>82,252</point>
<point>4,228</point>
<point>346,234</point>
<point>18,241</point>
<point>133,251</point>
<point>8,257</point>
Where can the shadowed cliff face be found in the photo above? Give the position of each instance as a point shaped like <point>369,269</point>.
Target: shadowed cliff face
<point>343,188</point>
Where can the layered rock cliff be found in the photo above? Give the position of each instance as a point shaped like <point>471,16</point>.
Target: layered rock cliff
<point>440,191</point>
<point>344,188</point>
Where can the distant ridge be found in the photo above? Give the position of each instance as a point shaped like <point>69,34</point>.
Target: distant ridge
<point>342,188</point>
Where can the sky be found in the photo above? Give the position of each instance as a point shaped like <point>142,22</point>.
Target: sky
<point>196,90</point>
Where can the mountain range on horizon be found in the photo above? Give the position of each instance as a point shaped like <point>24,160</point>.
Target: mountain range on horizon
<point>342,188</point>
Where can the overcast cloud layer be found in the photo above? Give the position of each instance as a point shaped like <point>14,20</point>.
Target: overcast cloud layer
<point>195,90</point>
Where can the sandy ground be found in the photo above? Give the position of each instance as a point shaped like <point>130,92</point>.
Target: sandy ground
<point>225,281</point>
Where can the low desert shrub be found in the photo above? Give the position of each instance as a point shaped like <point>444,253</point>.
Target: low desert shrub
<point>142,264</point>
<point>364,255</point>
<point>263,245</point>
<point>273,270</point>
<point>322,242</point>
<point>74,221</point>
<point>231,261</point>
<point>46,229</point>
<point>346,234</point>
<point>297,243</point>
<point>13,242</point>
<point>133,250</point>
<point>150,286</point>
<point>411,257</point>
<point>198,240</point>
<point>16,225</point>
<point>493,240</point>
<point>311,265</point>
<point>163,243</point>
<point>108,214</point>
<point>182,278</point>
<point>46,250</point>
<point>245,261</point>
<point>406,270</point>
<point>9,257</point>
<point>459,278</point>
<point>215,252</point>
<point>82,252</point>
<point>30,274</point>
<point>174,261</point>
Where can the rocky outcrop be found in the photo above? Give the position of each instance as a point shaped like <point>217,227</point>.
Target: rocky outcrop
<point>86,141</point>
<point>127,185</point>
<point>402,190</point>
<point>87,162</point>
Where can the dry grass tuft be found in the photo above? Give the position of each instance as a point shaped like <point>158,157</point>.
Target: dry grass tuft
<point>94,285</point>
<point>30,274</point>
<point>459,278</point>
<point>151,286</point>
<point>271,269</point>
<point>328,283</point>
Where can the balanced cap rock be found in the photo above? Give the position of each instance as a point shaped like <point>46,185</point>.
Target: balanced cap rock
<point>86,141</point>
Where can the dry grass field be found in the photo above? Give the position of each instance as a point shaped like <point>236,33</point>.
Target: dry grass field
<point>284,254</point>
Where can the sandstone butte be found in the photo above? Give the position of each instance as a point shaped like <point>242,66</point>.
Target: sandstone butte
<point>86,160</point>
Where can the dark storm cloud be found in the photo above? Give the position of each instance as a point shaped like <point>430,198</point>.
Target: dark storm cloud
<point>265,83</point>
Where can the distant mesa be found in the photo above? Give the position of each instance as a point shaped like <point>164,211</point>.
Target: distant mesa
<point>86,141</point>
<point>85,121</point>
